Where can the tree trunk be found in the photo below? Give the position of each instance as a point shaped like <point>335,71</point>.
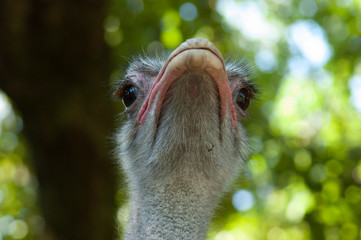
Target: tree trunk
<point>54,66</point>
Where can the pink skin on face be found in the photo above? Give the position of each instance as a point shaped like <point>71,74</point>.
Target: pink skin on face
<point>194,53</point>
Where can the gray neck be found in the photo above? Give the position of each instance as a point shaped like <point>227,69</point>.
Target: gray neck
<point>170,211</point>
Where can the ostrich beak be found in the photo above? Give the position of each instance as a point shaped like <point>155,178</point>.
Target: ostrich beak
<point>194,54</point>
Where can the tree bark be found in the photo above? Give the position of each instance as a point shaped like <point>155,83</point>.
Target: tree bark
<point>54,66</point>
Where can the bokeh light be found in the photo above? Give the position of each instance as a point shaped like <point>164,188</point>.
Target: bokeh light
<point>18,208</point>
<point>355,88</point>
<point>241,14</point>
<point>171,36</point>
<point>308,38</point>
<point>188,11</point>
<point>113,35</point>
<point>308,8</point>
<point>243,200</point>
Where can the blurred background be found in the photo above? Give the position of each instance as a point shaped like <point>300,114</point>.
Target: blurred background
<point>58,59</point>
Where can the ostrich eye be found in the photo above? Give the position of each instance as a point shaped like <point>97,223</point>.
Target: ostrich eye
<point>243,98</point>
<point>129,95</point>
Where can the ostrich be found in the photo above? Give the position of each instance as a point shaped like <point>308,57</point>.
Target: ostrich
<point>182,144</point>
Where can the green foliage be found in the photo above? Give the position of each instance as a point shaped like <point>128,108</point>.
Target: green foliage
<point>19,216</point>
<point>304,174</point>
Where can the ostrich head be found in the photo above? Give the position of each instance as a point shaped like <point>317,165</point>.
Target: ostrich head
<point>182,143</point>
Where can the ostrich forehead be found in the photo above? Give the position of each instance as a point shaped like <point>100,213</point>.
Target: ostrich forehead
<point>237,70</point>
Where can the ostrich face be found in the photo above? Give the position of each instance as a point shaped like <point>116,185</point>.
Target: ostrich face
<point>183,116</point>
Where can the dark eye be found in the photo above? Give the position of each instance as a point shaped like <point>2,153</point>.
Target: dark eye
<point>129,95</point>
<point>243,98</point>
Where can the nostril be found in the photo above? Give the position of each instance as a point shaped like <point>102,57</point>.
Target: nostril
<point>195,60</point>
<point>198,42</point>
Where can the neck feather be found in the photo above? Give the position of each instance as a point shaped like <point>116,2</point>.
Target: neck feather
<point>171,211</point>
